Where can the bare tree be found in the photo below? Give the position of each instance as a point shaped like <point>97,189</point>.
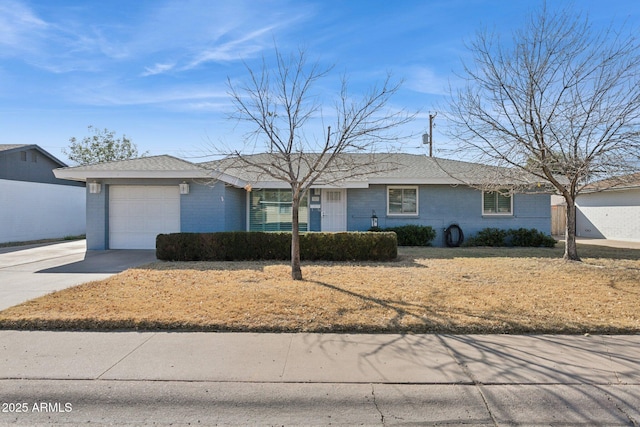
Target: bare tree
<point>560,101</point>
<point>280,104</point>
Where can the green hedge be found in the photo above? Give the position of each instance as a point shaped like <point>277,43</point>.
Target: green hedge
<point>513,237</point>
<point>240,245</point>
<point>411,235</point>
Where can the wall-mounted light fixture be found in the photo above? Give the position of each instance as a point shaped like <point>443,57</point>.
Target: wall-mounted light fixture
<point>184,188</point>
<point>95,187</point>
<point>248,188</point>
<point>374,219</point>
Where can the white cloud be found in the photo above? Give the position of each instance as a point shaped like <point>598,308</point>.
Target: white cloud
<point>19,27</point>
<point>57,47</point>
<point>426,80</point>
<point>238,49</point>
<point>200,32</point>
<point>157,69</point>
<point>156,38</point>
<point>113,94</point>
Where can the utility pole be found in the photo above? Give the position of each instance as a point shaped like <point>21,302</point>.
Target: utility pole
<point>428,138</point>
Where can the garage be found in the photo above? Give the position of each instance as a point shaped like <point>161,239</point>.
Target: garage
<point>137,214</point>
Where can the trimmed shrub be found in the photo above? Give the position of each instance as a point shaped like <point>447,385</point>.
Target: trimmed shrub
<point>348,246</point>
<point>488,237</point>
<point>521,237</point>
<point>238,246</point>
<point>411,235</point>
<point>531,238</point>
<point>223,246</point>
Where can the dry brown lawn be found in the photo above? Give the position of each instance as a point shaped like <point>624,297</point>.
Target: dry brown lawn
<point>463,290</point>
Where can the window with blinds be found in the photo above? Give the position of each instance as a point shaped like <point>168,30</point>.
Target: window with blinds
<point>496,203</point>
<point>402,200</point>
<point>270,210</point>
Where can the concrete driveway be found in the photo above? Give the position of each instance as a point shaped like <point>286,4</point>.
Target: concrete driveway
<point>27,272</point>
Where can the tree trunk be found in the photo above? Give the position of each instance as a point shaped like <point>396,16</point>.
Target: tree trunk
<point>570,248</point>
<point>296,271</point>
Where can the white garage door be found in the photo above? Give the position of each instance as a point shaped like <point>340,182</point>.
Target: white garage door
<point>137,214</point>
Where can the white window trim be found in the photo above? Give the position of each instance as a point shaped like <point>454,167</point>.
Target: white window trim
<point>496,213</point>
<point>248,210</point>
<point>404,187</point>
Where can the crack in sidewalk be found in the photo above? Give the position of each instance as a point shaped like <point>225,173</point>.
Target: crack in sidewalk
<point>610,357</point>
<point>286,359</point>
<point>375,404</point>
<point>473,379</point>
<point>125,356</point>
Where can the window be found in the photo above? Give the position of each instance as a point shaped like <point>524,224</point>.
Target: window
<point>270,210</point>
<point>402,200</point>
<point>23,156</point>
<point>333,196</point>
<point>496,203</point>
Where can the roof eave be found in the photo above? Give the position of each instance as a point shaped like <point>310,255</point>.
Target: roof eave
<point>415,181</point>
<point>75,175</point>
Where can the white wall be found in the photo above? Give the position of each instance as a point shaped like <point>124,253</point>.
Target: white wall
<point>610,215</point>
<point>33,211</point>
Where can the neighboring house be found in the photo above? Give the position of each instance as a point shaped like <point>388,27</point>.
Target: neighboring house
<point>609,210</point>
<point>34,204</point>
<point>130,202</point>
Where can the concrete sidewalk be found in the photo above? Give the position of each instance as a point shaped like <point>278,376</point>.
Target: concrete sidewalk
<point>375,379</point>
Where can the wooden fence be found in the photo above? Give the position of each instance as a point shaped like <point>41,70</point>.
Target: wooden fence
<point>558,219</point>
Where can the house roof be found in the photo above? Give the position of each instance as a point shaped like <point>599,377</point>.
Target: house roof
<point>356,171</point>
<point>624,182</point>
<point>6,148</point>
<point>163,166</point>
<point>10,147</point>
<point>381,168</point>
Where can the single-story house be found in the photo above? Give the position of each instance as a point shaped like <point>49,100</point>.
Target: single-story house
<point>34,204</point>
<point>130,202</point>
<point>610,210</point>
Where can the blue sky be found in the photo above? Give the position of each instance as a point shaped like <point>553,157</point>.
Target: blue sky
<point>157,70</point>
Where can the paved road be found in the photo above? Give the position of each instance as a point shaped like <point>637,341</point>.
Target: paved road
<point>28,272</point>
<point>149,378</point>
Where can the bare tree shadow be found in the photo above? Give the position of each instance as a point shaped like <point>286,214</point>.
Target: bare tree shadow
<point>429,319</point>
<point>580,365</point>
<point>574,380</point>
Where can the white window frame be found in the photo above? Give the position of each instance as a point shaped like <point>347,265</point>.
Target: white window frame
<point>404,187</point>
<point>510,213</point>
<point>303,218</point>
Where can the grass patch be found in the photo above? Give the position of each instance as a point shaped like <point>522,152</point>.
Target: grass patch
<point>427,290</point>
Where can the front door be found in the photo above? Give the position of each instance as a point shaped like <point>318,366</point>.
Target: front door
<point>334,210</point>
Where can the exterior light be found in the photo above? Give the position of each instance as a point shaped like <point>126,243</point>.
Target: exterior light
<point>184,188</point>
<point>374,219</point>
<point>95,187</point>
